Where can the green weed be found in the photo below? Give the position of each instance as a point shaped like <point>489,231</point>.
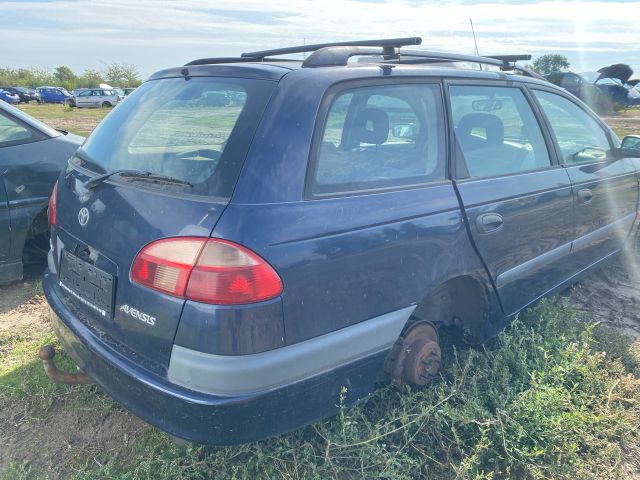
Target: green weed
<point>541,400</point>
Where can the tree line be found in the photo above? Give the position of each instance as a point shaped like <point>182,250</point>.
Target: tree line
<point>115,74</point>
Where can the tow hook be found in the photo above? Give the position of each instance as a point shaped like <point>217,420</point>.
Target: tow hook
<point>46,354</point>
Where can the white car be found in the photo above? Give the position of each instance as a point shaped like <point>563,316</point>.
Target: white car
<point>96,97</point>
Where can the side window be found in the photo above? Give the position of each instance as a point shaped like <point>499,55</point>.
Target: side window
<point>579,136</point>
<point>85,94</point>
<point>381,137</point>
<point>497,131</point>
<point>12,132</point>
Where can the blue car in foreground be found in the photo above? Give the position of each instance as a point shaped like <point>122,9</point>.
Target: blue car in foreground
<point>245,237</point>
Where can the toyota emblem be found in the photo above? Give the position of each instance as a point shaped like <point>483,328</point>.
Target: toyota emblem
<point>83,216</point>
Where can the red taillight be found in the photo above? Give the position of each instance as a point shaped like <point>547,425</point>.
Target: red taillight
<point>206,270</point>
<point>53,200</point>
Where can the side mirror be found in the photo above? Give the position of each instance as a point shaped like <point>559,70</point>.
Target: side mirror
<point>630,146</point>
<point>404,130</point>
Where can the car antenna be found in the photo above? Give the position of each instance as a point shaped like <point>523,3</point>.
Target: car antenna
<point>474,39</point>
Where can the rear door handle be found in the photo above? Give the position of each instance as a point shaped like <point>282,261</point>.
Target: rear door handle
<point>489,222</point>
<point>585,195</point>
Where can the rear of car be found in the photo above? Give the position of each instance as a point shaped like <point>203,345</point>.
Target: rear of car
<point>226,260</point>
<point>131,250</point>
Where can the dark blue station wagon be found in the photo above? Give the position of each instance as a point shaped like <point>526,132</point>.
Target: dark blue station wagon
<point>244,237</point>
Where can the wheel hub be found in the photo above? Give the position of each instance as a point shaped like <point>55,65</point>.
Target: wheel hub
<point>416,357</point>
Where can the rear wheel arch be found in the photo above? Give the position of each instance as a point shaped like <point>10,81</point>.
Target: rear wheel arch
<point>36,240</point>
<point>461,302</point>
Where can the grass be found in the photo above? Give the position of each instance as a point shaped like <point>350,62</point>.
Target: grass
<point>550,397</point>
<point>80,121</point>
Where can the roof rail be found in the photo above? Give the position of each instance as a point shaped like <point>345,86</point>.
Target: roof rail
<point>218,60</point>
<point>388,43</point>
<point>449,57</point>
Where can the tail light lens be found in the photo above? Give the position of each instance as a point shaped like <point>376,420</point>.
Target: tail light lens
<point>206,270</point>
<point>53,200</point>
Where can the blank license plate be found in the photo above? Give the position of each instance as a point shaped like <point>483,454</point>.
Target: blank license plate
<point>89,285</point>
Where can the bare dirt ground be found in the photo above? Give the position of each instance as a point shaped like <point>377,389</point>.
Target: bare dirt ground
<point>625,123</point>
<point>96,431</point>
<point>611,296</point>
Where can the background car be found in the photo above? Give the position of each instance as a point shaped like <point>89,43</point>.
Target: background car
<point>53,94</point>
<point>9,97</point>
<point>127,91</point>
<point>120,93</point>
<point>612,87</point>
<point>31,157</point>
<point>582,88</point>
<point>96,97</point>
<point>24,94</point>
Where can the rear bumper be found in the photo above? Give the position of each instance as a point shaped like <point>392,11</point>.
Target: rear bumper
<point>203,417</point>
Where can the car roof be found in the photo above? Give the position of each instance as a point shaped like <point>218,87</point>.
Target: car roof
<point>276,70</point>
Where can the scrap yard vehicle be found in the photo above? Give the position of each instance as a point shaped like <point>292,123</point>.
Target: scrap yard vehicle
<point>24,94</point>
<point>605,90</point>
<point>31,158</point>
<point>247,243</point>
<point>53,94</point>
<point>94,97</point>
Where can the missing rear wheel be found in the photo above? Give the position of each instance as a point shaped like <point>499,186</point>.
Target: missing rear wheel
<point>416,356</point>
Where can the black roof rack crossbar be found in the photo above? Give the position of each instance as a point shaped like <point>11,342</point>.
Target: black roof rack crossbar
<point>505,62</point>
<point>510,58</point>
<point>388,43</point>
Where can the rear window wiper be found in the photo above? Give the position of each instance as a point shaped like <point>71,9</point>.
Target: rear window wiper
<point>136,174</point>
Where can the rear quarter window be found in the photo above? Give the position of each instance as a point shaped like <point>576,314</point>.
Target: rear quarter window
<point>379,137</point>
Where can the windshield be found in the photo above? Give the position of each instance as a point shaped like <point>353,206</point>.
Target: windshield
<point>197,130</point>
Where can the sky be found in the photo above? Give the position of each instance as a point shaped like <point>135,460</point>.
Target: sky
<point>155,34</point>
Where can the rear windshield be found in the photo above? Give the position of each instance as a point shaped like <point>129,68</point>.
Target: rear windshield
<point>197,130</point>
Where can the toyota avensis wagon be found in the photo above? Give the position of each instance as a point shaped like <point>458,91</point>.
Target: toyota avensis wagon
<point>243,237</point>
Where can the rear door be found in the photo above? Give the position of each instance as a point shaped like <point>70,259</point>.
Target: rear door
<point>517,199</point>
<point>605,189</point>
